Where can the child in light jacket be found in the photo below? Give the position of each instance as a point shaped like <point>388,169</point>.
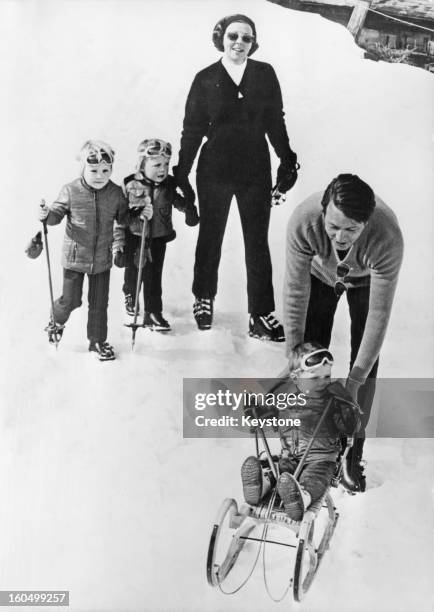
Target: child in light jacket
<point>91,204</point>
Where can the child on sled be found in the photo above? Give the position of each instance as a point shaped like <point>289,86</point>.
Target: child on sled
<point>151,193</point>
<point>311,377</point>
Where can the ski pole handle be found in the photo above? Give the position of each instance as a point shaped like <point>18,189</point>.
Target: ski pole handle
<point>43,220</point>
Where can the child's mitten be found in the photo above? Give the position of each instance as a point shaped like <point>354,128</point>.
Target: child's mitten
<point>119,259</point>
<point>34,248</point>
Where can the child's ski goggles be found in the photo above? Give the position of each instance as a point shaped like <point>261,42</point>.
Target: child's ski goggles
<point>98,156</point>
<point>155,147</point>
<point>315,359</point>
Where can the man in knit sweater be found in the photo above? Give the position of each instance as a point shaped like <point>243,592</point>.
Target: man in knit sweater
<point>343,241</point>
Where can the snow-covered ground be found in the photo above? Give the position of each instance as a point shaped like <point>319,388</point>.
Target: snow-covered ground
<point>101,495</point>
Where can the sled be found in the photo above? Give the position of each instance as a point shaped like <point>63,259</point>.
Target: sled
<point>240,537</point>
<point>235,526</point>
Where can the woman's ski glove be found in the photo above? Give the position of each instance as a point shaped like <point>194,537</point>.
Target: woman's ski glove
<point>184,185</point>
<point>286,179</point>
<point>34,248</point>
<point>119,259</point>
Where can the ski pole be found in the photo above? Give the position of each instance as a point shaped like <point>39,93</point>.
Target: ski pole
<point>134,325</point>
<point>266,447</point>
<point>314,435</point>
<point>50,282</point>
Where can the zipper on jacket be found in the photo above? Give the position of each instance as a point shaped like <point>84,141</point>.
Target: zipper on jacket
<point>95,201</point>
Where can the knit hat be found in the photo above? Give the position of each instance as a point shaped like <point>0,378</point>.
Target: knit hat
<point>96,152</point>
<point>221,27</point>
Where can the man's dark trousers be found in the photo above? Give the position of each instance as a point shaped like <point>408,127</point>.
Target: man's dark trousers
<point>319,324</point>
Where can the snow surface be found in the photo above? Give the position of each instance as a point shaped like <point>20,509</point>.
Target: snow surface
<point>101,495</point>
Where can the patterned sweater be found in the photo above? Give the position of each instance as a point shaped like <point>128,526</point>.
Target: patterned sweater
<point>374,259</point>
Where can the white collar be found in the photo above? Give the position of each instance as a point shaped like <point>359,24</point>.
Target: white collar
<point>235,71</point>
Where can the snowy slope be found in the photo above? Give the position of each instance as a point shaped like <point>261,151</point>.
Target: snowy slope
<point>101,494</point>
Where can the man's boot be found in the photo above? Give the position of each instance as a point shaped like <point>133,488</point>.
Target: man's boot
<point>353,477</point>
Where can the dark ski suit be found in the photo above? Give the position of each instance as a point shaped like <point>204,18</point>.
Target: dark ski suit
<point>234,161</point>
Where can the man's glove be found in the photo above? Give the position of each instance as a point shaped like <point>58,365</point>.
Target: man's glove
<point>286,177</point>
<point>119,259</point>
<point>34,248</point>
<point>191,215</point>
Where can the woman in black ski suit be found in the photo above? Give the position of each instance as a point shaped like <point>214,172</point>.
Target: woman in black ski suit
<point>235,103</point>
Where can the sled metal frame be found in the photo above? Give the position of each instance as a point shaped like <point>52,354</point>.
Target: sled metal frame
<point>244,520</point>
<point>270,512</point>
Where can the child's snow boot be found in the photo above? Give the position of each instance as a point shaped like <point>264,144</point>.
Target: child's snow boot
<point>295,499</point>
<point>129,304</point>
<point>102,350</point>
<point>255,486</point>
<point>156,322</point>
<point>54,330</point>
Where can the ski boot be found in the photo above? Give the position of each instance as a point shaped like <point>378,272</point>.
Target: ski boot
<point>353,476</point>
<point>203,312</point>
<point>266,327</point>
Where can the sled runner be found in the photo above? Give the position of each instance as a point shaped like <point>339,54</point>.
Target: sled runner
<point>240,537</point>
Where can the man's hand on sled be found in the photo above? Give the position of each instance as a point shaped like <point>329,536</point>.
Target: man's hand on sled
<point>352,386</point>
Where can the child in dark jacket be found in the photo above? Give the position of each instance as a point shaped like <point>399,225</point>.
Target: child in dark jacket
<point>310,377</point>
<point>151,193</point>
<point>91,204</point>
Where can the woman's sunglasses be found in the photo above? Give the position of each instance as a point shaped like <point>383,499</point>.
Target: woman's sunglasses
<point>246,38</point>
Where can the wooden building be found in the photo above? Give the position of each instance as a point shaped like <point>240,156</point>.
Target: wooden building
<point>392,30</point>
